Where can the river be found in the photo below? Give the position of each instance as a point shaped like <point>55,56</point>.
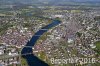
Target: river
<point>27,52</point>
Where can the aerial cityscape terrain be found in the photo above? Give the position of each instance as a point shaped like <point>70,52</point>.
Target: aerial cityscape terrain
<point>53,32</point>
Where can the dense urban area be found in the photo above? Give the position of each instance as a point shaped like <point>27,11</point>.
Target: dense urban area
<point>78,34</point>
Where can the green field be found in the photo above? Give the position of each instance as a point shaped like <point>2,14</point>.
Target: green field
<point>97,47</point>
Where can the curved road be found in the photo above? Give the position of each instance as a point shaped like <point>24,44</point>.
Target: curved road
<point>27,50</point>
